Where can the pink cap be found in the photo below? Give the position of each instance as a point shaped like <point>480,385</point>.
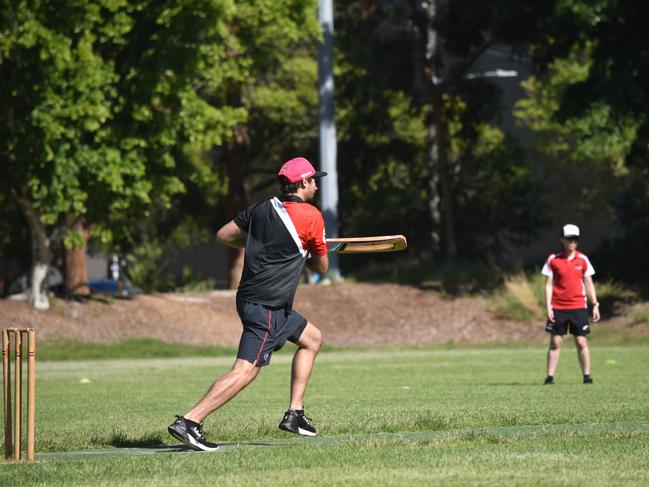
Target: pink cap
<point>297,169</point>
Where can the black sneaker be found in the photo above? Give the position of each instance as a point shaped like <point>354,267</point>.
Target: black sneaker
<point>191,434</point>
<point>296,422</point>
<point>588,380</point>
<point>549,380</point>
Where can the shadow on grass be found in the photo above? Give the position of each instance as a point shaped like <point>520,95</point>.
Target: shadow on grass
<point>253,443</point>
<point>154,442</point>
<point>120,440</point>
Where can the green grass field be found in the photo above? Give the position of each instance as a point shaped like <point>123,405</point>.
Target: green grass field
<point>384,417</point>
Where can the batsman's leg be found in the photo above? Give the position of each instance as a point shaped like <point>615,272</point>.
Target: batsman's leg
<point>225,388</point>
<point>308,347</point>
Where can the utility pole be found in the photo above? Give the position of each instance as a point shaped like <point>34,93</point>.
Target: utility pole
<point>326,119</point>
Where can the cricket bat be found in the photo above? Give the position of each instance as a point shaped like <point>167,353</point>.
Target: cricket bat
<point>364,245</point>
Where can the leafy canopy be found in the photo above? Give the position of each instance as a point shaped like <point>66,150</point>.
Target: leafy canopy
<point>99,96</point>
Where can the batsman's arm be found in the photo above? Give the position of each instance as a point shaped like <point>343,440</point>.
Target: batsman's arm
<point>232,235</point>
<point>317,246</point>
<point>318,263</point>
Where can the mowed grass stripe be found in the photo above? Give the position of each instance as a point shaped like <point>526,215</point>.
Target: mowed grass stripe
<point>491,434</point>
<point>374,357</point>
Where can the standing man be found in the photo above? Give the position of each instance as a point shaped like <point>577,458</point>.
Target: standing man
<point>281,235</point>
<point>568,282</point>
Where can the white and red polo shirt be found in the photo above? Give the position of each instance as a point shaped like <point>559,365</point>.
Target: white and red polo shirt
<point>568,288</point>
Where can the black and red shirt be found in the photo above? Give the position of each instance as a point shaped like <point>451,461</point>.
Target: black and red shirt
<point>282,232</point>
<point>568,288</point>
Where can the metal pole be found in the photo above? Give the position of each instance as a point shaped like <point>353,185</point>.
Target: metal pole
<point>326,117</point>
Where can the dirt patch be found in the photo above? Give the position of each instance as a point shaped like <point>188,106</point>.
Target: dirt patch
<point>348,314</point>
<point>366,314</point>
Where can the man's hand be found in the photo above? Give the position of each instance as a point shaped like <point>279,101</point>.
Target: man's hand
<point>551,315</point>
<point>596,315</point>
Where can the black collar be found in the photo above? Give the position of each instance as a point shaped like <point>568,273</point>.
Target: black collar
<point>290,197</point>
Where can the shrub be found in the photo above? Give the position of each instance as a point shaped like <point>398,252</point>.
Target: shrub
<point>521,298</point>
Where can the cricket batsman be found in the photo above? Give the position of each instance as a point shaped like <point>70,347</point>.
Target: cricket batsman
<point>280,236</point>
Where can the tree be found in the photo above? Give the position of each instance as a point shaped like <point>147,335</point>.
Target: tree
<point>97,99</point>
<point>567,148</point>
<point>380,127</point>
<point>588,101</point>
<point>417,136</point>
<point>272,46</point>
<point>453,36</point>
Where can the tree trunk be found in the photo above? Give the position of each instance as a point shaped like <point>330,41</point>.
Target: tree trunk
<point>446,194</point>
<point>3,276</point>
<point>440,199</point>
<point>433,181</point>
<point>41,257</point>
<point>236,163</point>
<point>75,275</point>
<point>450,242</point>
<point>39,294</point>
<point>431,82</point>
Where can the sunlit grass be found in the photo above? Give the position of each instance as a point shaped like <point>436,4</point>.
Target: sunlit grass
<point>475,416</point>
<point>130,348</point>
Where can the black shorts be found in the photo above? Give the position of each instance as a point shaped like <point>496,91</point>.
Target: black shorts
<point>574,319</point>
<point>266,330</point>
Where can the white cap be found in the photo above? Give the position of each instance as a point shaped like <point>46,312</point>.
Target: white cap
<point>570,230</point>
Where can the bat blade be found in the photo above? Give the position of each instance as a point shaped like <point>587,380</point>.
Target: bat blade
<point>364,245</point>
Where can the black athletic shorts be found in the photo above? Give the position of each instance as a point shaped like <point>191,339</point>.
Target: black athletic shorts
<point>574,319</point>
<point>266,330</point>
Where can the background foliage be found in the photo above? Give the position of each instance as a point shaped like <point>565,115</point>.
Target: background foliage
<point>154,122</point>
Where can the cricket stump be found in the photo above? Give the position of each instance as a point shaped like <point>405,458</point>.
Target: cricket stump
<point>13,432</point>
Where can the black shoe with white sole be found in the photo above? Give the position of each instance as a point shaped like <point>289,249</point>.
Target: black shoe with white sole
<point>296,422</point>
<point>191,434</point>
